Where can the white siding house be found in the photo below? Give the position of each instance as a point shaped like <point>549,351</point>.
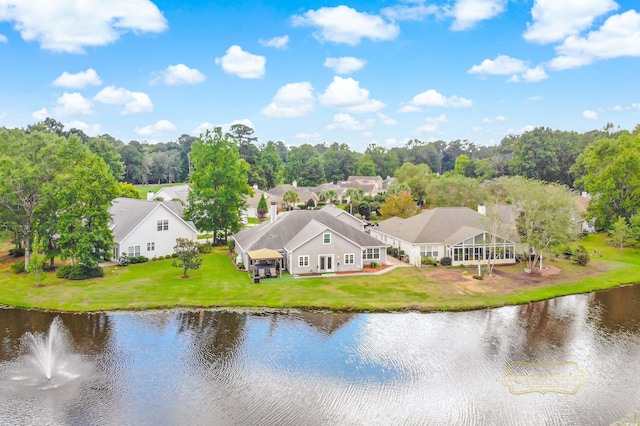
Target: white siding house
<point>148,228</point>
<point>456,232</point>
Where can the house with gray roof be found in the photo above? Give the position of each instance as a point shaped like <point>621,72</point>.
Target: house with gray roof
<point>456,232</point>
<point>313,241</point>
<point>147,227</point>
<point>304,194</point>
<point>171,193</point>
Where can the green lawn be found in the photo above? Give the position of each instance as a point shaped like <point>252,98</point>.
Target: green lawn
<point>218,284</point>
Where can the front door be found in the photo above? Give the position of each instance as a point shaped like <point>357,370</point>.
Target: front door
<point>325,263</point>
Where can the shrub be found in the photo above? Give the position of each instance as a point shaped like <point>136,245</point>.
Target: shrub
<point>16,252</point>
<point>428,260</point>
<point>17,267</point>
<point>445,261</point>
<point>374,264</point>
<point>580,256</point>
<point>204,248</point>
<point>477,277</point>
<point>231,244</point>
<point>79,272</point>
<point>240,265</point>
<point>138,259</point>
<point>169,256</point>
<point>154,258</point>
<point>567,253</point>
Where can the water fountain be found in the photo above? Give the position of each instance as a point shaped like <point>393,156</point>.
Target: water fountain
<point>44,349</point>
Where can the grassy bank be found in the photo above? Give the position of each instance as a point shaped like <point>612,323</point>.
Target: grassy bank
<point>218,284</point>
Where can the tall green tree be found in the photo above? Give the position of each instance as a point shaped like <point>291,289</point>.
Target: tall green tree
<point>270,168</point>
<point>108,151</point>
<point>219,184</point>
<point>25,169</point>
<point>187,256</point>
<point>81,193</point>
<point>304,165</point>
<point>416,177</point>
<point>621,235</point>
<point>453,190</point>
<point>290,197</point>
<point>611,172</point>
<point>401,204</point>
<point>339,162</point>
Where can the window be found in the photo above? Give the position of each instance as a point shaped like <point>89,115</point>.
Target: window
<point>151,246</point>
<point>326,238</point>
<point>134,251</point>
<point>303,261</point>
<point>163,225</point>
<point>431,251</point>
<point>349,259</point>
<point>371,254</point>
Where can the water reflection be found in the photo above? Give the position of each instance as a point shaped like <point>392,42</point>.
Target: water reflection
<point>215,367</point>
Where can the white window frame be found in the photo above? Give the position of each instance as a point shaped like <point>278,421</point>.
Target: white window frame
<point>303,260</point>
<point>151,246</point>
<point>371,254</point>
<point>326,236</point>
<point>133,251</point>
<point>349,259</point>
<point>162,225</point>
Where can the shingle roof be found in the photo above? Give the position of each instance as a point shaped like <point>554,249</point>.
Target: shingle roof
<point>127,213</point>
<point>291,227</point>
<point>439,225</point>
<point>176,192</point>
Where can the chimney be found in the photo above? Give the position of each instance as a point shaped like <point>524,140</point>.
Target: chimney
<point>482,209</point>
<point>150,195</point>
<point>273,212</point>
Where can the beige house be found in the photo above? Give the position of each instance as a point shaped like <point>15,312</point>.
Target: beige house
<point>456,232</point>
<point>313,241</point>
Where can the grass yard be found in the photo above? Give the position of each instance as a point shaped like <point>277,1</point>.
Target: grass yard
<point>143,189</point>
<point>217,284</point>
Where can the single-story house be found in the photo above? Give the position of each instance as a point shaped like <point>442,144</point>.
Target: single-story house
<point>370,185</point>
<point>313,241</point>
<point>456,232</point>
<point>170,193</point>
<point>148,228</point>
<point>304,194</point>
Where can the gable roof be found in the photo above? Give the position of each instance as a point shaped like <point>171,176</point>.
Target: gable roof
<point>128,213</point>
<point>298,226</point>
<point>176,192</point>
<point>278,192</point>
<point>447,225</point>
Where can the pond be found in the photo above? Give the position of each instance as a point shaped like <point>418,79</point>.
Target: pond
<point>570,360</point>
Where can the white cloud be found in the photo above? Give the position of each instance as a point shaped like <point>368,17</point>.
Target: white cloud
<point>625,108</point>
<point>70,26</point>
<point>346,94</point>
<point>386,120</point>
<point>467,13</point>
<point>134,102</point>
<point>415,11</point>
<point>619,36</point>
<point>527,128</point>
<point>502,65</point>
<point>432,98</point>
<point>309,137</point>
<point>70,104</point>
<point>345,64</point>
<point>79,80</point>
<point>535,98</point>
<point>431,124</point>
<point>476,128</point>
<point>202,128</point>
<point>554,20</point>
<point>40,114</point>
<point>243,64</point>
<point>533,75</point>
<point>156,129</point>
<point>178,74</point>
<point>3,38</point>
<point>347,122</point>
<point>343,24</point>
<point>590,114</point>
<point>291,100</point>
<point>505,65</point>
<point>497,118</point>
<point>276,42</point>
<point>89,129</point>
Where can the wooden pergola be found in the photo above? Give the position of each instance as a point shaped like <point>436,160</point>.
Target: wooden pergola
<point>264,255</point>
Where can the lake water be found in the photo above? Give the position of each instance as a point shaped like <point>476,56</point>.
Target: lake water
<point>571,360</point>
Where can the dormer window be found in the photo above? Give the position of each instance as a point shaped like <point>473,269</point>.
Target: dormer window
<point>163,225</point>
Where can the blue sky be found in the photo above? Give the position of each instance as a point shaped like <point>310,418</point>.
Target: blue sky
<point>378,72</point>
